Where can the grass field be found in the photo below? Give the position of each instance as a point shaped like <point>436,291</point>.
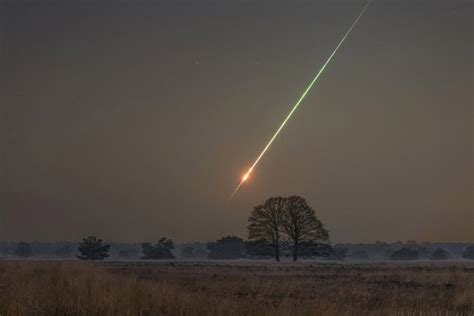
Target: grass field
<point>235,288</point>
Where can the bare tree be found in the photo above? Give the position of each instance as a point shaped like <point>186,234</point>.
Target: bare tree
<point>301,224</point>
<point>266,223</point>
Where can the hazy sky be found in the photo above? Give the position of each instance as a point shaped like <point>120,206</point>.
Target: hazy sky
<point>135,119</point>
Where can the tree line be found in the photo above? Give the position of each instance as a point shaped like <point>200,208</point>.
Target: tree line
<point>281,226</point>
<point>233,247</point>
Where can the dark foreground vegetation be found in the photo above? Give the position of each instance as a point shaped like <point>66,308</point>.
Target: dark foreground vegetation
<point>245,288</point>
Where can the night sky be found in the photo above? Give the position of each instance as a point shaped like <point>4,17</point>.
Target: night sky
<point>134,120</point>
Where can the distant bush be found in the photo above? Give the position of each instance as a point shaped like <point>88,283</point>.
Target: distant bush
<point>358,255</point>
<point>404,254</point>
<point>23,249</point>
<point>93,248</point>
<point>337,253</point>
<point>230,247</point>
<point>161,250</point>
<point>468,253</point>
<point>440,254</point>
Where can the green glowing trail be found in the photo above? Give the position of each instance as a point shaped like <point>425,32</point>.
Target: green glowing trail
<point>299,101</point>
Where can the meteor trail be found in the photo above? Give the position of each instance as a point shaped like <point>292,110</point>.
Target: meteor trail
<point>247,174</point>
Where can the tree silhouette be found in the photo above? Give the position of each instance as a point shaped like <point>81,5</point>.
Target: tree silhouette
<point>93,249</point>
<point>230,247</point>
<point>161,250</point>
<point>266,224</point>
<point>301,224</point>
<point>23,249</point>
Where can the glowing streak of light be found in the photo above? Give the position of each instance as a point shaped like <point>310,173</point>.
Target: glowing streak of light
<point>245,177</point>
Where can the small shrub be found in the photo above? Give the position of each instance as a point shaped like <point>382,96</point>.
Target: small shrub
<point>161,250</point>
<point>230,247</point>
<point>93,249</point>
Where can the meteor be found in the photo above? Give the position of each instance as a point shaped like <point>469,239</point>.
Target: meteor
<point>247,174</point>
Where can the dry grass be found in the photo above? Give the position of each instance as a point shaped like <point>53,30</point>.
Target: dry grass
<point>65,288</point>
